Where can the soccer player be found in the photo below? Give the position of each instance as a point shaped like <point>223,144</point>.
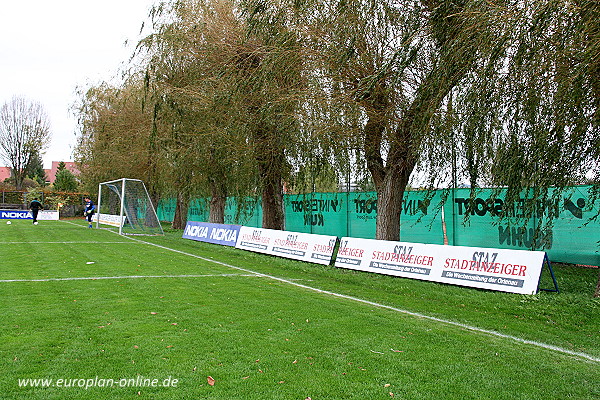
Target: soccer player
<point>35,206</point>
<point>90,209</point>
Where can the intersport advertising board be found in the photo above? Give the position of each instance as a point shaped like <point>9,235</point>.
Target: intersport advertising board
<point>515,271</point>
<point>295,245</point>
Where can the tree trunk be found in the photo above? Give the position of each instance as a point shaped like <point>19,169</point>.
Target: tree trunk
<point>392,176</point>
<point>270,159</point>
<point>390,180</point>
<point>389,204</point>
<point>19,178</point>
<point>181,211</point>
<point>272,204</point>
<point>217,202</point>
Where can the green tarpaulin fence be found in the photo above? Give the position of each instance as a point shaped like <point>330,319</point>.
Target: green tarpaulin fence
<point>436,217</point>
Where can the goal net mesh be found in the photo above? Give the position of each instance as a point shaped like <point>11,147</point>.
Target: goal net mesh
<point>126,205</point>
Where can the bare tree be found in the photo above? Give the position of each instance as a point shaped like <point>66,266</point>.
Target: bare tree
<point>24,133</point>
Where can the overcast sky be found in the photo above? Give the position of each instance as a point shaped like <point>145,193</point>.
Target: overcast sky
<point>50,47</point>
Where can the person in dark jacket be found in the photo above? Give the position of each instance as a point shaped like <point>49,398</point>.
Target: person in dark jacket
<point>89,211</point>
<point>35,206</point>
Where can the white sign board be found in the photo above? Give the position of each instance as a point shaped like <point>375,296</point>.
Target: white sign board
<point>515,271</point>
<point>296,245</point>
<point>48,215</point>
<point>109,219</point>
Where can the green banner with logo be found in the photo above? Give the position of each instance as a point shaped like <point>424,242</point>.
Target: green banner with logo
<point>573,235</point>
<point>453,217</point>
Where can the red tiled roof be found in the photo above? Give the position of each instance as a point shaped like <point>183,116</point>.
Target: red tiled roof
<point>50,173</point>
<point>4,173</point>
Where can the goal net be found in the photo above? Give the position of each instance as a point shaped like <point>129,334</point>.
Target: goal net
<point>126,205</point>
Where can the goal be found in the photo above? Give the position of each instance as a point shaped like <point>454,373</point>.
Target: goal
<point>125,204</point>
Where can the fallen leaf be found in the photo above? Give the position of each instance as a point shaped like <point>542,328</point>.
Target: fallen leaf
<point>211,381</point>
<point>387,385</point>
<point>391,394</point>
<point>153,313</point>
<point>245,377</point>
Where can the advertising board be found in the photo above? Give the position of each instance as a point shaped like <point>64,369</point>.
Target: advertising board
<point>295,245</point>
<point>515,271</point>
<point>47,215</point>
<point>212,233</point>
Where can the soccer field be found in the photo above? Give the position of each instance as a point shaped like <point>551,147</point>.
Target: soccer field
<point>88,314</point>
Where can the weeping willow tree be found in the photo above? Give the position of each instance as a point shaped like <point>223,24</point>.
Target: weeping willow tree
<point>389,67</point>
<point>543,108</point>
<point>539,102</point>
<point>200,144</point>
<point>505,92</point>
<point>268,69</point>
<point>224,91</point>
<point>115,135</point>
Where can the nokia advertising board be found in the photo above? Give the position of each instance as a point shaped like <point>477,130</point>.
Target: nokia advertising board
<point>212,233</point>
<point>47,215</point>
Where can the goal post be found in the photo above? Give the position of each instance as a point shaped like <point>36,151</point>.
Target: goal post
<point>125,204</point>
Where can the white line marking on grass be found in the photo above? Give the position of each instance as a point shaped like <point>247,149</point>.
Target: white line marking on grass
<point>82,242</point>
<point>94,278</point>
<point>383,306</point>
<point>378,305</point>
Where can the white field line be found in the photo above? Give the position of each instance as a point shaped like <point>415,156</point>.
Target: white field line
<point>82,242</point>
<point>95,278</point>
<point>386,307</point>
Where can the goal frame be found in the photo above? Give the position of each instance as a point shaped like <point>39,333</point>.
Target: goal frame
<point>121,215</point>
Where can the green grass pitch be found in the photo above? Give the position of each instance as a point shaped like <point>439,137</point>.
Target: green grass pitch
<point>88,314</point>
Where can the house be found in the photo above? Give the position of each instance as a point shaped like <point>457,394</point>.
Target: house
<point>50,173</point>
<point>4,173</point>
